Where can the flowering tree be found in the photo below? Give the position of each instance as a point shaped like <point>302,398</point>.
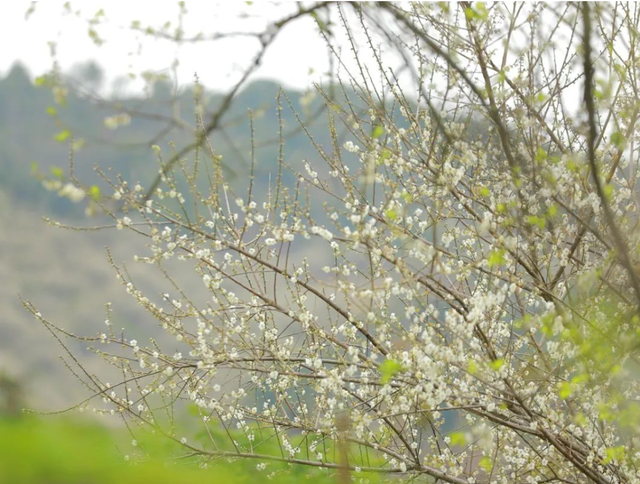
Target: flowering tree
<point>449,293</point>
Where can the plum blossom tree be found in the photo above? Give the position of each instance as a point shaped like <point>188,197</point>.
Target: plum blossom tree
<point>449,292</point>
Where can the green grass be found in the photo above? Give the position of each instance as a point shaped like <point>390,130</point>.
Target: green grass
<point>61,451</point>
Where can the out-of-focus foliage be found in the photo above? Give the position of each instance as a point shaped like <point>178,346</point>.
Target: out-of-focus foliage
<point>55,450</point>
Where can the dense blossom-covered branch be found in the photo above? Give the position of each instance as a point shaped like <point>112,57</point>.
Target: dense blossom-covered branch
<point>441,291</point>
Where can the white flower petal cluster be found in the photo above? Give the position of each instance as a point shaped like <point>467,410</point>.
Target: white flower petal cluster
<point>445,294</point>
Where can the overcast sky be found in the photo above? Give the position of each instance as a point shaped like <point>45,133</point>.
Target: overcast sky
<point>297,51</point>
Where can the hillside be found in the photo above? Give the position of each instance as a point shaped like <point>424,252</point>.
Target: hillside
<point>65,273</point>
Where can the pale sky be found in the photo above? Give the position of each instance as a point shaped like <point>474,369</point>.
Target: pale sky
<point>297,49</point>
<point>297,58</point>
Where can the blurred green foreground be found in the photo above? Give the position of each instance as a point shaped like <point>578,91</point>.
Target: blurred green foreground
<point>52,450</point>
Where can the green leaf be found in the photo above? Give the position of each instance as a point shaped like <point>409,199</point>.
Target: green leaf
<point>565,390</point>
<point>472,367</point>
<point>617,139</point>
<point>391,214</point>
<point>608,191</point>
<point>479,12</point>
<point>496,258</point>
<point>94,192</point>
<point>62,135</point>
<point>482,10</point>
<point>40,81</point>
<point>485,463</point>
<point>457,438</point>
<point>57,172</point>
<point>581,378</point>
<point>535,220</point>
<point>51,111</point>
<point>377,131</point>
<point>614,454</point>
<point>388,369</point>
<point>541,154</point>
<point>385,154</point>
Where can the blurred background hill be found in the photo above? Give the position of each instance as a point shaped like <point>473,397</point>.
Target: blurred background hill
<point>65,274</point>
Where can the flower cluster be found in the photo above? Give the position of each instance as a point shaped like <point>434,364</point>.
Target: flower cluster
<point>460,310</point>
